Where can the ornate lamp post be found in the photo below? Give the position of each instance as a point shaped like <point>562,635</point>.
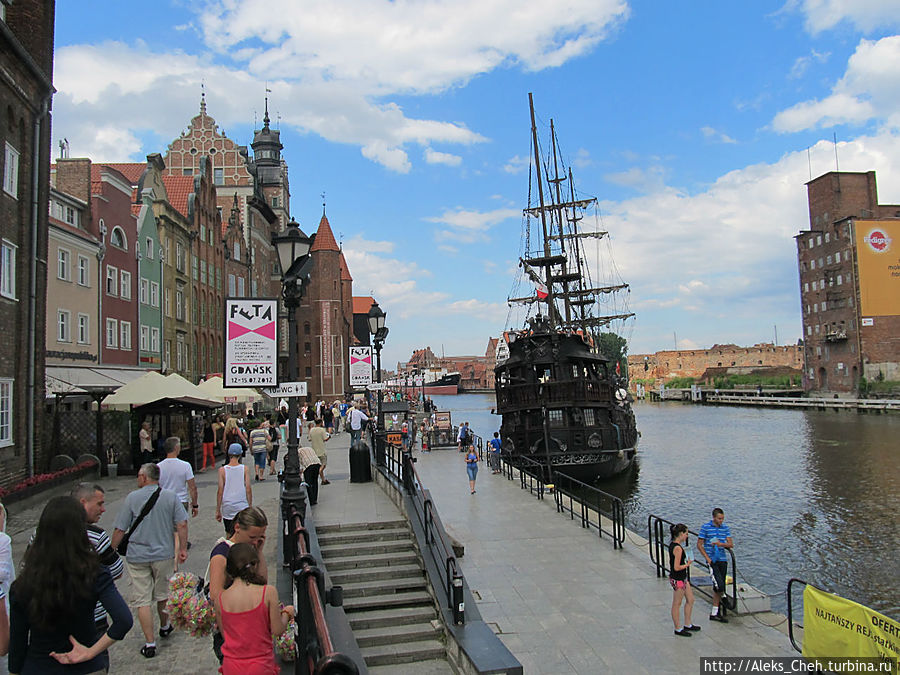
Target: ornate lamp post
<point>379,332</point>
<point>293,246</point>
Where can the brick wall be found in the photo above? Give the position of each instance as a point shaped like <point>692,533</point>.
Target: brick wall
<point>665,365</point>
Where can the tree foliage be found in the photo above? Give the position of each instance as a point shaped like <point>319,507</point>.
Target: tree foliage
<point>615,348</point>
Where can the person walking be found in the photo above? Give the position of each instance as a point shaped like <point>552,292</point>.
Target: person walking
<point>233,493</point>
<point>250,615</point>
<point>309,463</point>
<point>472,468</point>
<point>712,540</point>
<point>209,444</point>
<point>148,517</point>
<point>52,602</point>
<point>233,434</point>
<point>357,418</point>
<point>680,560</point>
<point>249,528</point>
<point>496,445</point>
<point>275,440</point>
<point>176,475</point>
<point>327,418</point>
<point>317,439</point>
<point>146,442</point>
<point>259,446</point>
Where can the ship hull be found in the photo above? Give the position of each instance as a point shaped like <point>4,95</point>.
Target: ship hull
<point>441,389</point>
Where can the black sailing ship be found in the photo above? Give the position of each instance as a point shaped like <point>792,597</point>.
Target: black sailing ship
<point>564,404</point>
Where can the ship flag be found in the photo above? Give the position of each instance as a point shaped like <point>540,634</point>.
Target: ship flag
<point>539,286</point>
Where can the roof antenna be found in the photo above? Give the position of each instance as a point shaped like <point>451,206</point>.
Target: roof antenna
<point>837,166</point>
<point>266,118</point>
<point>323,203</point>
<point>809,162</point>
<point>202,97</point>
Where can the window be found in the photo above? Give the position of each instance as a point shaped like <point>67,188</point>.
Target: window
<point>112,280</point>
<point>828,259</point>
<point>218,279</point>
<point>145,292</point>
<point>125,333</point>
<point>556,418</point>
<point>589,417</point>
<point>167,358</point>
<point>815,284</point>
<point>112,333</point>
<point>203,233</point>
<point>237,251</point>
<point>194,317</point>
<point>253,288</point>
<point>84,329</point>
<point>117,238</point>
<point>203,272</point>
<point>179,257</point>
<point>71,216</point>
<point>808,331</point>
<point>219,176</point>
<point>806,287</point>
<point>847,255</point>
<point>180,356</point>
<point>194,268</point>
<point>154,339</point>
<point>827,237</point>
<point>274,202</point>
<point>125,285</point>
<point>145,338</point>
<point>821,262</point>
<point>202,313</point>
<point>823,305</point>
<point>819,240</point>
<point>240,288</point>
<point>231,286</point>
<point>168,302</point>
<point>148,248</point>
<point>154,294</point>
<point>815,307</point>
<point>11,172</point>
<point>169,250</point>
<point>63,264</point>
<point>811,242</point>
<point>187,172</point>
<point>839,279</point>
<point>179,303</point>
<point>63,325</point>
<point>6,394</point>
<point>84,271</point>
<point>307,347</point>
<point>812,264</point>
<point>308,371</point>
<point>8,270</point>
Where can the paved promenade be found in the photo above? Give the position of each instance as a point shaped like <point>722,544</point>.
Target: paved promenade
<point>560,598</point>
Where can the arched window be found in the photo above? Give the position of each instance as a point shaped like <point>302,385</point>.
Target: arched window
<point>117,238</point>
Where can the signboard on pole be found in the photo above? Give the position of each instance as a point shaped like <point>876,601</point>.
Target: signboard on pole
<point>287,390</point>
<point>251,344</point>
<point>360,366</point>
<point>377,386</point>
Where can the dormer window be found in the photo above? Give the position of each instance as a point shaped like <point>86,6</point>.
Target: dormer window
<point>117,239</point>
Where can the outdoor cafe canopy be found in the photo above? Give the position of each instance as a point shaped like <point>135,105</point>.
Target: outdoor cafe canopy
<point>153,387</point>
<point>213,386</point>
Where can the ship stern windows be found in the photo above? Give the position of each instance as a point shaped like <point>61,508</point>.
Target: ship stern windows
<point>556,418</point>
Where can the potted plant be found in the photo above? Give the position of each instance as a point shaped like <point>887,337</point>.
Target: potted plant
<point>112,461</point>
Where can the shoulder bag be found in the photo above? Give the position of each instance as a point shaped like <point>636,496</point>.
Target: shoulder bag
<point>122,548</point>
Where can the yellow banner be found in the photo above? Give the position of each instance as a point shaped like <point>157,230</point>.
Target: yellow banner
<point>878,259</point>
<point>836,627</point>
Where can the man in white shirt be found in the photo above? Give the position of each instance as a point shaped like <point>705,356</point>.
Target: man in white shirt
<point>357,417</point>
<point>176,475</point>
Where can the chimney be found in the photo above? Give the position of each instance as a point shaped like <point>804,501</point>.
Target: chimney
<point>73,177</point>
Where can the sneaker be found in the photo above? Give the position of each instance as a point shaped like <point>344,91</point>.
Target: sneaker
<point>148,652</point>
<point>684,632</point>
<point>692,628</point>
<point>166,632</point>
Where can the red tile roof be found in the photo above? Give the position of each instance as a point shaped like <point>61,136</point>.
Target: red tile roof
<point>325,240</point>
<point>345,271</point>
<point>131,170</point>
<point>136,209</point>
<point>362,304</point>
<point>178,189</point>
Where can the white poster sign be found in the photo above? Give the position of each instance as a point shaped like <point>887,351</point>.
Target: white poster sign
<point>251,345</point>
<point>360,366</point>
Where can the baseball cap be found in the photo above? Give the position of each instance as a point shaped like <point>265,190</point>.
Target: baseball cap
<point>235,449</point>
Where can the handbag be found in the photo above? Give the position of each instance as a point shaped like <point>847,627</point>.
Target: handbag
<point>122,548</point>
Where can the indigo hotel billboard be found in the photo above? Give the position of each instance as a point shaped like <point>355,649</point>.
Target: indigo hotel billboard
<point>878,262</point>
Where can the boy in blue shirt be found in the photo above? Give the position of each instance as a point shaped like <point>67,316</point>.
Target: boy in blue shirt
<point>712,540</point>
<point>495,452</point>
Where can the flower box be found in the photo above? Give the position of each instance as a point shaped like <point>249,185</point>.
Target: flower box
<point>44,481</point>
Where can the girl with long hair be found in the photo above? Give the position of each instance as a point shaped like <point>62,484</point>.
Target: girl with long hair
<point>249,616</point>
<point>52,601</point>
<point>233,434</point>
<point>680,561</point>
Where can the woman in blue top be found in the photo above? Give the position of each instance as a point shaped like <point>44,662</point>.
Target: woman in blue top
<point>472,467</point>
<point>52,627</point>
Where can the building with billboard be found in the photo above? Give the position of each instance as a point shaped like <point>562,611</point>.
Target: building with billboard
<point>849,264</point>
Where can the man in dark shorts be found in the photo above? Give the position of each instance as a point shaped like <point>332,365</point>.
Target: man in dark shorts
<point>714,537</point>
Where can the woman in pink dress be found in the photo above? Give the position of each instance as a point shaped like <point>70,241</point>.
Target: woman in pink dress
<point>249,616</point>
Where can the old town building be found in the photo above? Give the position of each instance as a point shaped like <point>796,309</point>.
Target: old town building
<point>849,284</point>
<point>26,63</point>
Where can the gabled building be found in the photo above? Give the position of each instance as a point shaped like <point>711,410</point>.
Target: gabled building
<point>150,274</point>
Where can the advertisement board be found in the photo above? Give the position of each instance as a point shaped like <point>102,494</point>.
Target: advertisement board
<point>251,342</point>
<point>360,366</point>
<point>878,261</point>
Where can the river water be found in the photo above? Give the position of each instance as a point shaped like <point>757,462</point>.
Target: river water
<point>807,494</point>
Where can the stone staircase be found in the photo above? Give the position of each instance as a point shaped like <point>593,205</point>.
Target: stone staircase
<point>386,596</point>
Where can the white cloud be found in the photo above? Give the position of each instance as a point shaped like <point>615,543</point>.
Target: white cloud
<point>869,89</point>
<point>802,64</point>
<point>468,226</point>
<point>865,15</point>
<point>582,159</point>
<point>516,164</point>
<point>709,132</point>
<point>435,157</point>
<point>650,179</point>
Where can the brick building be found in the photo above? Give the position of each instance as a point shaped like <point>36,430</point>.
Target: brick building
<point>665,365</point>
<point>26,62</point>
<point>849,283</point>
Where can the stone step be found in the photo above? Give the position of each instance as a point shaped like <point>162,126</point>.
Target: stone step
<point>396,616</point>
<point>383,587</point>
<point>370,637</point>
<point>346,550</point>
<point>363,536</point>
<point>383,655</point>
<point>379,560</point>
<point>388,600</point>
<point>434,667</point>
<point>356,527</point>
<point>351,576</point>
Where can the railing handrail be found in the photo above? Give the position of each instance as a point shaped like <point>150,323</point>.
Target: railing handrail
<point>656,535</point>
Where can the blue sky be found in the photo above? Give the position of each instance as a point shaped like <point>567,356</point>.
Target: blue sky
<point>696,125</point>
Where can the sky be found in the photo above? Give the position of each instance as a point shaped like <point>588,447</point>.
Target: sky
<point>695,124</point>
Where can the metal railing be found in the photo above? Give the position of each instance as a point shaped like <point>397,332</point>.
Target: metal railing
<point>790,605</point>
<point>315,652</point>
<point>539,480</point>
<point>659,532</point>
<point>401,465</point>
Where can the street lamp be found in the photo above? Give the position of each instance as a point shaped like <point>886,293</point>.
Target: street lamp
<point>379,332</point>
<point>292,246</point>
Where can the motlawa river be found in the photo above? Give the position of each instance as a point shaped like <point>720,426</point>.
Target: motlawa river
<point>807,494</point>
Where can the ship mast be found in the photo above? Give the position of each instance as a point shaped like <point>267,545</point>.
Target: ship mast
<point>565,276</point>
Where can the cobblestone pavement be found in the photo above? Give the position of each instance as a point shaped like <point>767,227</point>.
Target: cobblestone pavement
<point>179,654</point>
